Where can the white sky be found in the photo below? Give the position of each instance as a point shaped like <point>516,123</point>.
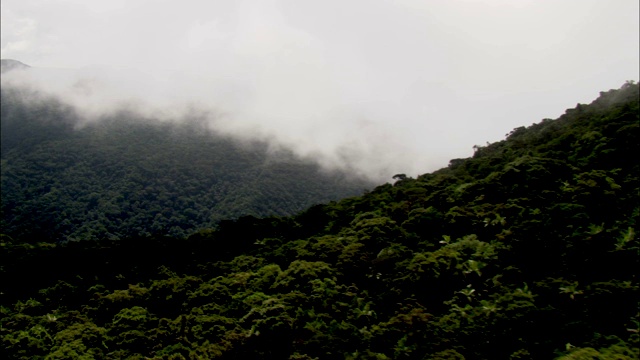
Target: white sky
<point>378,86</point>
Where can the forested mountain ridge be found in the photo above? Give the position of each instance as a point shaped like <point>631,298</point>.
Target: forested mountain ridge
<point>527,250</point>
<point>66,178</point>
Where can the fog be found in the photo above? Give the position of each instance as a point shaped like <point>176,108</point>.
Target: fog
<point>373,87</point>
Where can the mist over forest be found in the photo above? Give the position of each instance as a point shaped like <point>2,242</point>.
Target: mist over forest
<point>278,179</point>
<point>372,87</point>
<point>336,140</point>
<point>70,176</point>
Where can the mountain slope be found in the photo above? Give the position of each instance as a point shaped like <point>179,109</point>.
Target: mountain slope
<point>9,65</point>
<point>64,179</point>
<point>528,250</point>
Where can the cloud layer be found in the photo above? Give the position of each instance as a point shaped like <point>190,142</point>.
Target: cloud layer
<point>373,86</point>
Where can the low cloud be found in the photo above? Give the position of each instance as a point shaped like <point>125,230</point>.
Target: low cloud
<point>336,137</point>
<point>372,87</point>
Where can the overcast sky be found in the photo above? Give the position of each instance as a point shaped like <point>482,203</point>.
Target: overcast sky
<point>378,86</point>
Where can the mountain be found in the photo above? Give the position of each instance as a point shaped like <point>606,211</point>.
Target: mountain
<point>64,178</point>
<point>8,65</point>
<point>527,250</point>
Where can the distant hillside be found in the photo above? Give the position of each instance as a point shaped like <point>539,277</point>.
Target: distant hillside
<point>527,250</point>
<point>8,65</point>
<point>126,176</point>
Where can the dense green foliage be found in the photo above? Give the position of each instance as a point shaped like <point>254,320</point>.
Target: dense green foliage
<point>126,176</point>
<point>527,250</point>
